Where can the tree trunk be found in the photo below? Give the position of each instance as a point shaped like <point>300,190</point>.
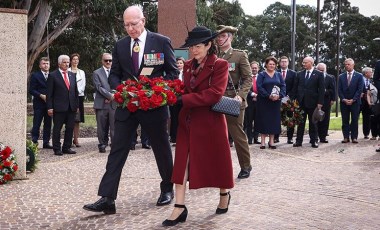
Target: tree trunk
<point>36,42</point>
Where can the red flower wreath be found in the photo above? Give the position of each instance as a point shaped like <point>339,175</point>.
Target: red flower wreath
<point>148,93</point>
<point>8,165</point>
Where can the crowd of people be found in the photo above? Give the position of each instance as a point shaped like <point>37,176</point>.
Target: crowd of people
<point>215,70</point>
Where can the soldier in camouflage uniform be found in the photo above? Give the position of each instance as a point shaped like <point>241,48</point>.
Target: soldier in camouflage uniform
<point>240,73</point>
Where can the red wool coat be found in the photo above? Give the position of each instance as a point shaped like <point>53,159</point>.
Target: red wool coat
<point>202,135</point>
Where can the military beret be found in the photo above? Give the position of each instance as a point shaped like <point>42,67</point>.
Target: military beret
<point>226,29</point>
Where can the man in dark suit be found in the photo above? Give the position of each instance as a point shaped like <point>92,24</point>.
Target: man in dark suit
<point>250,111</point>
<point>365,107</point>
<point>329,99</point>
<point>62,104</point>
<point>104,110</point>
<point>376,82</point>
<point>152,52</point>
<point>309,90</point>
<point>376,76</point>
<point>289,77</point>
<point>350,88</point>
<point>38,89</point>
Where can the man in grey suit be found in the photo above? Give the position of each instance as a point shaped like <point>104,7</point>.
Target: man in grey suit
<point>105,112</point>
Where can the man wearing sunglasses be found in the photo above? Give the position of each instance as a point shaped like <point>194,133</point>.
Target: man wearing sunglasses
<point>105,112</point>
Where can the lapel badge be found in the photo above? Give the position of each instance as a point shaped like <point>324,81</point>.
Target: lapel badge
<point>136,49</point>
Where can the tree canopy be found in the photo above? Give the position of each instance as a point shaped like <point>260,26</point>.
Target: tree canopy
<point>92,27</point>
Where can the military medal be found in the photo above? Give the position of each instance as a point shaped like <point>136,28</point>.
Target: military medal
<point>136,48</point>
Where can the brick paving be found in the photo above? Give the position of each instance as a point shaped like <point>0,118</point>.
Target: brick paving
<point>336,186</point>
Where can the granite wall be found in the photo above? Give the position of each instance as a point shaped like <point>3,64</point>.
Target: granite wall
<point>175,18</point>
<point>13,83</point>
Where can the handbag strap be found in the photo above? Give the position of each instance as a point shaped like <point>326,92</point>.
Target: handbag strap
<point>229,79</point>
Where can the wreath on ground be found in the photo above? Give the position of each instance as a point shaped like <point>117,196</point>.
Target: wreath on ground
<point>291,113</point>
<point>8,165</point>
<point>31,156</point>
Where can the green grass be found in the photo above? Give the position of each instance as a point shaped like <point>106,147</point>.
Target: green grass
<point>89,121</point>
<point>336,122</point>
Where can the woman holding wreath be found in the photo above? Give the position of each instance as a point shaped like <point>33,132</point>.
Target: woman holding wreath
<point>199,159</point>
<point>271,88</point>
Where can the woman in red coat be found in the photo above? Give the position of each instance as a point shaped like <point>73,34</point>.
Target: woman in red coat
<point>202,154</point>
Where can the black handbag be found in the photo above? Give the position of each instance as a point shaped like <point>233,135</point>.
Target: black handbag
<point>227,105</point>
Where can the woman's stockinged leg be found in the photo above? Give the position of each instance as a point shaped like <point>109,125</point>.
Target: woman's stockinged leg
<point>180,190</point>
<point>223,200</point>
<point>271,139</point>
<point>263,139</point>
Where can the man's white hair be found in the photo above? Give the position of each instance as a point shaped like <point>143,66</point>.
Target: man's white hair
<point>61,57</point>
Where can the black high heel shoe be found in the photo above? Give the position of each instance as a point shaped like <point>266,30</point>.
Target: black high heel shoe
<point>181,218</point>
<point>224,210</point>
<point>76,144</point>
<point>271,146</point>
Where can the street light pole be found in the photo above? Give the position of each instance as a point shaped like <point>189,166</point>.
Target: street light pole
<point>293,31</point>
<point>317,32</point>
<point>337,56</point>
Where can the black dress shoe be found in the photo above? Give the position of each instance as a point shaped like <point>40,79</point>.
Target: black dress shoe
<point>250,142</point>
<point>314,145</point>
<point>354,141</point>
<point>146,146</point>
<point>165,198</point>
<point>58,153</point>
<point>324,141</point>
<point>181,218</point>
<point>47,146</point>
<point>68,151</point>
<point>276,140</point>
<point>244,173</point>
<point>290,142</point>
<point>104,204</point>
<point>132,147</point>
<point>102,149</point>
<point>378,150</point>
<point>297,145</point>
<point>255,141</point>
<point>345,140</point>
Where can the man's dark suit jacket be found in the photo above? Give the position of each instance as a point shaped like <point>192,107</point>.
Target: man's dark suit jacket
<point>310,92</point>
<point>122,67</point>
<point>330,89</point>
<point>289,81</point>
<point>354,90</point>
<point>376,76</point>
<point>58,97</point>
<point>38,86</point>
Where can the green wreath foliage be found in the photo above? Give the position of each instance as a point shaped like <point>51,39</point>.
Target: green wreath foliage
<point>291,113</point>
<point>31,156</point>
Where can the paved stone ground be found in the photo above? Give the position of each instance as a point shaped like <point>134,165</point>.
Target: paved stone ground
<point>336,186</point>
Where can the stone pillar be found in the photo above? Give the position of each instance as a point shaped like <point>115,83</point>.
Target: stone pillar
<point>175,18</point>
<point>13,87</point>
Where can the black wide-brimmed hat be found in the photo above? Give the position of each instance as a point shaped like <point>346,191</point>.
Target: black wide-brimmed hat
<point>198,35</point>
